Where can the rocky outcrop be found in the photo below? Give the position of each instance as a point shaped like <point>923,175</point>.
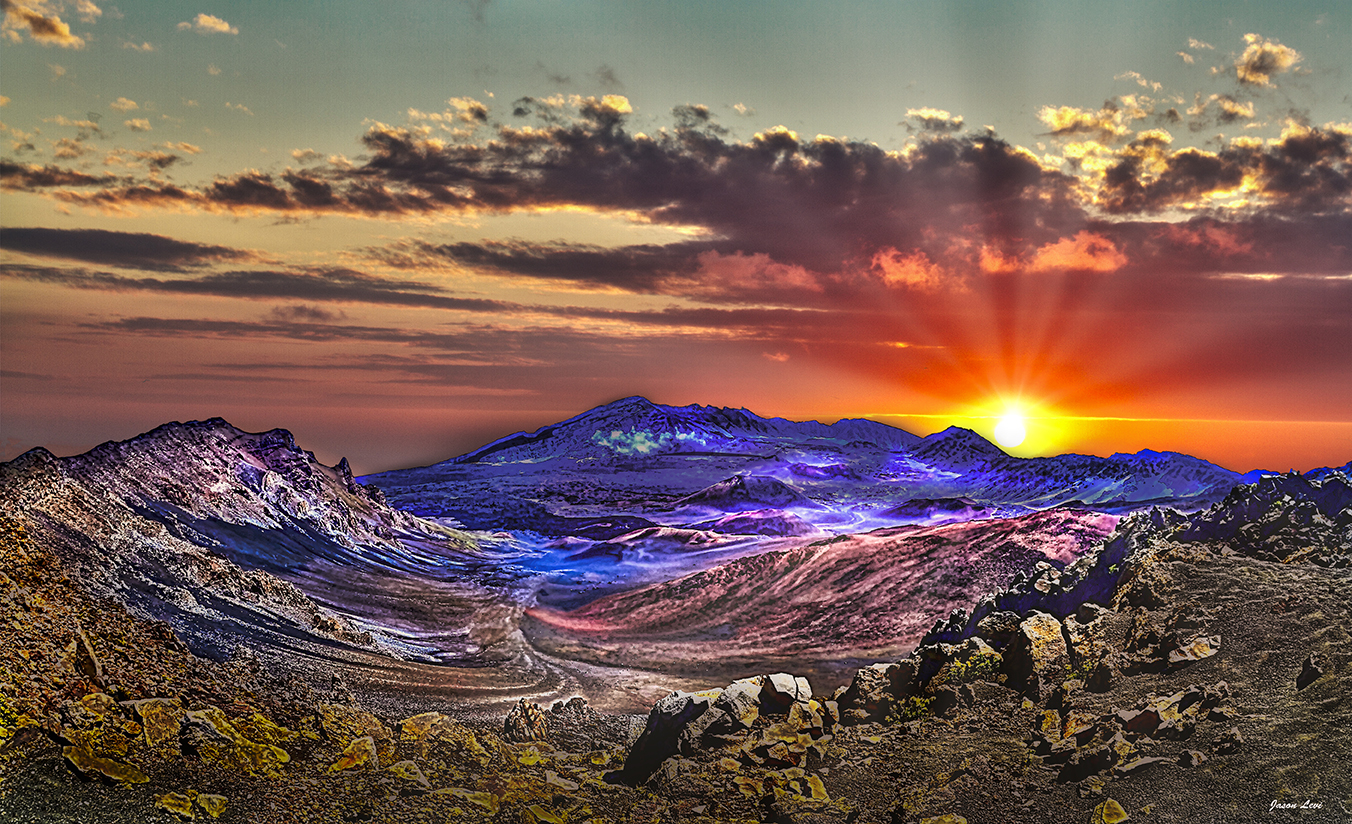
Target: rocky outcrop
<point>766,720</point>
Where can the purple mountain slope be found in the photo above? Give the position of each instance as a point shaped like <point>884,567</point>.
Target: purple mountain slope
<point>635,426</point>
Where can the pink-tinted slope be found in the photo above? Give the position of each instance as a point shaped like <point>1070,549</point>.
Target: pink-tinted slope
<point>868,595</point>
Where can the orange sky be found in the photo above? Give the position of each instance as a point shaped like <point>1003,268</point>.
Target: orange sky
<point>1166,268</point>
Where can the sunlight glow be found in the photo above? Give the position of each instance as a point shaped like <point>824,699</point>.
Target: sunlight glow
<point>1010,431</point>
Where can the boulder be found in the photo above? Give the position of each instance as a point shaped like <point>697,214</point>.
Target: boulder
<point>1036,660</point>
<point>661,736</point>
<point>526,722</point>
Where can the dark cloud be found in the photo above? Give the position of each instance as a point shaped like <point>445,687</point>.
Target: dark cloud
<point>131,250</point>
<point>1307,171</point>
<point>338,285</point>
<point>30,177</point>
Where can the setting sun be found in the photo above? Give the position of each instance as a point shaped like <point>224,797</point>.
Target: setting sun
<point>1010,432</point>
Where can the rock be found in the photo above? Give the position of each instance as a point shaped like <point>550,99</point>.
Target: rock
<point>1036,660</point>
<point>1088,643</point>
<point>946,818</point>
<point>212,804</point>
<point>215,740</point>
<point>91,765</point>
<point>1191,758</point>
<point>161,719</point>
<point>360,752</point>
<point>734,711</point>
<point>1201,647</point>
<point>1309,672</point>
<point>1136,765</point>
<point>781,690</point>
<point>179,804</point>
<point>1230,741</point>
<point>573,725</point>
<point>660,737</point>
<point>432,734</point>
<point>410,772</point>
<point>526,722</point>
<point>998,628</point>
<point>1109,812</point>
<point>870,694</point>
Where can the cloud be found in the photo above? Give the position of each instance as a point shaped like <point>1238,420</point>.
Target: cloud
<point>212,70</point>
<point>68,148</point>
<point>129,250</point>
<point>122,104</point>
<point>182,146</point>
<point>239,107</point>
<point>47,29</point>
<point>142,47</point>
<point>935,120</point>
<point>1187,58</point>
<point>208,24</point>
<point>1068,121</point>
<point>4,101</point>
<point>743,109</point>
<point>301,312</point>
<point>1194,43</point>
<point>139,124</point>
<point>88,11</point>
<point>337,285</point>
<point>1262,59</point>
<point>30,177</point>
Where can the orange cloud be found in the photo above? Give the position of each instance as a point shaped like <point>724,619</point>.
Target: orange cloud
<point>1086,251</point>
<point>915,271</point>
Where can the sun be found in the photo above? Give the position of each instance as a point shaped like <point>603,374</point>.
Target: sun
<point>1010,432</point>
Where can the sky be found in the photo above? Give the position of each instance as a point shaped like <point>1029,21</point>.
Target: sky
<point>402,230</point>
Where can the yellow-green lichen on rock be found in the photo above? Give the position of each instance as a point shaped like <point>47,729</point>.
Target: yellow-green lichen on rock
<point>359,753</point>
<point>92,765</point>
<point>216,741</point>
<point>179,804</point>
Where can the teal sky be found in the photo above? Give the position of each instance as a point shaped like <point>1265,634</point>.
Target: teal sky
<point>145,121</point>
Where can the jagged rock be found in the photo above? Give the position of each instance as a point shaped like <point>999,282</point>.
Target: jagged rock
<point>660,737</point>
<point>211,737</point>
<point>781,690</point>
<point>432,734</point>
<point>1109,812</point>
<point>179,804</point>
<point>575,727</point>
<point>526,722</point>
<point>999,628</point>
<point>1310,671</point>
<point>161,719</point>
<point>212,804</point>
<point>360,752</point>
<point>1036,660</point>
<point>1201,647</point>
<point>874,690</point>
<point>91,765</point>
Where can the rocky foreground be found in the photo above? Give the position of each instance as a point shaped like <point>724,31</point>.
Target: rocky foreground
<point>1186,670</point>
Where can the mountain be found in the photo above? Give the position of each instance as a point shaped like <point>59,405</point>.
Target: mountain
<point>633,459</point>
<point>226,535</point>
<point>636,427</point>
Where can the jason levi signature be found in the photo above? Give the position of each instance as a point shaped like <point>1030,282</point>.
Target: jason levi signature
<point>1307,804</point>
